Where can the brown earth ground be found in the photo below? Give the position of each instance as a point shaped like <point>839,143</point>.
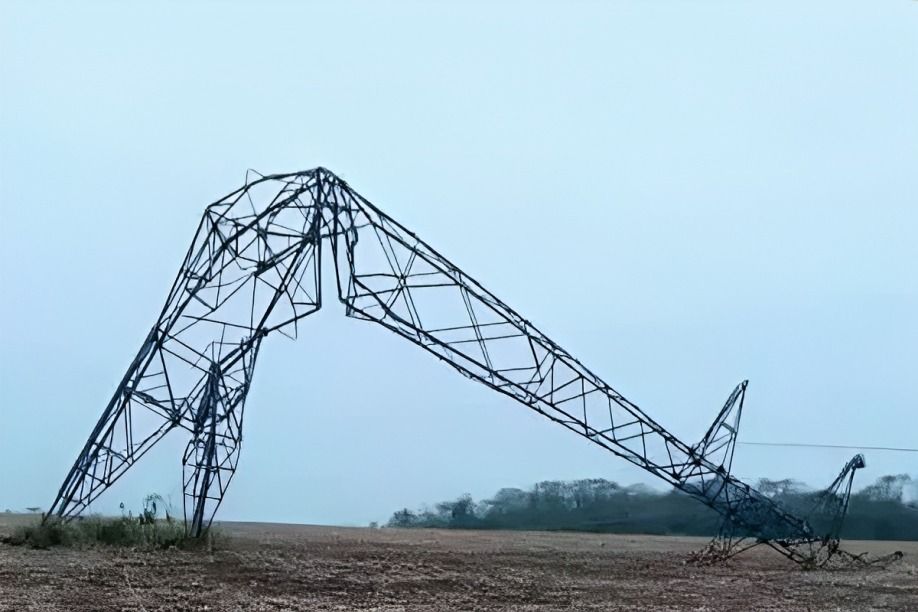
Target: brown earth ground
<point>258,566</point>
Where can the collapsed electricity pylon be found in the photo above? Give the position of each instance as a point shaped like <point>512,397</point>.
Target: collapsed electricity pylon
<point>254,268</point>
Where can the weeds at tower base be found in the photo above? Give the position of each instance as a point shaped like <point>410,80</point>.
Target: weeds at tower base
<point>144,531</point>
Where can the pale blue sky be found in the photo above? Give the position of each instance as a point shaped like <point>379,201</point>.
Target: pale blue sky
<point>681,194</point>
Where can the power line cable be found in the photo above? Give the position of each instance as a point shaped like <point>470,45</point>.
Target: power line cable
<point>801,444</point>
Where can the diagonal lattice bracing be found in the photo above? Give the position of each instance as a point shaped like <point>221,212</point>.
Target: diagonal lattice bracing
<point>253,269</point>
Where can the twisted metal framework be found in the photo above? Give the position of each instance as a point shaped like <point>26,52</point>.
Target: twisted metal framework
<point>254,269</point>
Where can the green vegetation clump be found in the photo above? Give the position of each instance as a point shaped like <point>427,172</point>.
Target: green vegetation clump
<point>878,512</point>
<point>145,531</point>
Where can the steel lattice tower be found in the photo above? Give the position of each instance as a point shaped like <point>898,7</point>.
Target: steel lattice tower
<point>254,269</point>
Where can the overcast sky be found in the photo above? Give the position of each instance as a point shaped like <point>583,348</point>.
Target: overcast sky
<point>681,194</point>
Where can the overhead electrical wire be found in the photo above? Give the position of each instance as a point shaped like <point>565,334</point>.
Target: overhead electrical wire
<point>845,446</point>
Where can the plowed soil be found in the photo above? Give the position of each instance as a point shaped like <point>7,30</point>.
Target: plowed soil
<point>292,567</point>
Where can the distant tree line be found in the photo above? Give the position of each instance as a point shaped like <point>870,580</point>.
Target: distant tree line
<point>885,510</point>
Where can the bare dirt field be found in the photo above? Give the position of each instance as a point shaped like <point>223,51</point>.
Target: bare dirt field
<point>292,567</point>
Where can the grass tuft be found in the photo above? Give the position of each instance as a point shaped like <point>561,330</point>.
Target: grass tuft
<point>145,531</point>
